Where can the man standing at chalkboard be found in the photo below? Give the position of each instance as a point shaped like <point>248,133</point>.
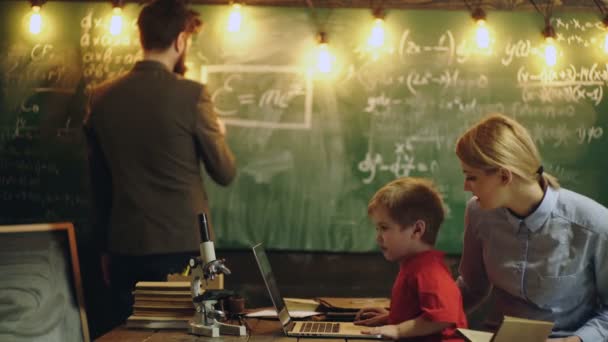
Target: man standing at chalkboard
<point>148,131</point>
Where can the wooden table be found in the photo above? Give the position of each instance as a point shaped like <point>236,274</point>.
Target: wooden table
<point>260,330</point>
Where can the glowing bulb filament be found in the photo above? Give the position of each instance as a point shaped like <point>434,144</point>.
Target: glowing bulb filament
<point>550,53</point>
<point>482,35</point>
<point>235,18</point>
<point>116,21</point>
<point>35,20</point>
<point>376,39</point>
<point>324,59</point>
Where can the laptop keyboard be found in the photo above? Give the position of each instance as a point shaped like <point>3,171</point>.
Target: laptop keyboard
<point>320,327</point>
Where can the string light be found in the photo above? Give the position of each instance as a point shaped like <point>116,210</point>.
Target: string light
<point>235,18</point>
<point>36,17</point>
<point>482,34</point>
<point>116,20</point>
<point>550,51</point>
<point>324,58</point>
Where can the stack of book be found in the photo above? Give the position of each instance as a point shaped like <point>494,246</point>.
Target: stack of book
<point>161,305</point>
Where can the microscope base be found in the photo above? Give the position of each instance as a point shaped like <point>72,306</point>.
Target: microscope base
<point>216,329</point>
<point>204,330</point>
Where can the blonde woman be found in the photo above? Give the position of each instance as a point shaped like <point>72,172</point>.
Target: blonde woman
<point>541,249</point>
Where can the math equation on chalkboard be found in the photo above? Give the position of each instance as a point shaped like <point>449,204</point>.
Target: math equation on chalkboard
<point>267,96</point>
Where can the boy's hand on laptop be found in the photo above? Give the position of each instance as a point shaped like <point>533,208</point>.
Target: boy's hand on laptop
<point>371,317</point>
<point>386,331</point>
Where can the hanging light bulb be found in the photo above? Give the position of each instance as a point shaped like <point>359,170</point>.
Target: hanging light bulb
<point>376,38</point>
<point>36,18</point>
<point>324,57</point>
<point>116,21</point>
<point>235,18</point>
<point>550,52</point>
<point>482,34</point>
<point>377,35</point>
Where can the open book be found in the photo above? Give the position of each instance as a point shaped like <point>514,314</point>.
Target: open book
<point>512,329</point>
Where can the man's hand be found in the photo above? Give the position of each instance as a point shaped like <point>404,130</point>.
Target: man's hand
<point>371,317</point>
<point>222,126</point>
<point>387,331</point>
<point>565,339</point>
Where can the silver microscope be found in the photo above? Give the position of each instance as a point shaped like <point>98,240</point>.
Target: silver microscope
<point>205,321</point>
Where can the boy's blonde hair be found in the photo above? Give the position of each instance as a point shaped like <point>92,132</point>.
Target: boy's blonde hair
<point>410,199</point>
<point>499,142</point>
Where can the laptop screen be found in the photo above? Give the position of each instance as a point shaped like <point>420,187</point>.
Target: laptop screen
<point>271,284</point>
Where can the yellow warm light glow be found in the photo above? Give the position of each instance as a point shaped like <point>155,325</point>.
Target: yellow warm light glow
<point>482,35</point>
<point>190,72</point>
<point>204,75</point>
<point>606,43</point>
<point>235,18</point>
<point>324,59</point>
<point>376,38</point>
<point>550,52</point>
<point>116,21</point>
<point>35,20</point>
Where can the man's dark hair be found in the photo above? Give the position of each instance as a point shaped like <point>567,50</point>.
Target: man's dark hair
<point>161,21</point>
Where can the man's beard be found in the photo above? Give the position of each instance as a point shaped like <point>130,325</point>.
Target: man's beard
<point>180,66</point>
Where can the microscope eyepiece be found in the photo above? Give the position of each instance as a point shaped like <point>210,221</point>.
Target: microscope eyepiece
<point>203,226</point>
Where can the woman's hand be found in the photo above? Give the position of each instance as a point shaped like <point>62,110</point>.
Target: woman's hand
<point>371,317</point>
<point>387,331</point>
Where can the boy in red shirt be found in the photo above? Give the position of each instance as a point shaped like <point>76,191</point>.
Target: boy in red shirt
<point>425,301</point>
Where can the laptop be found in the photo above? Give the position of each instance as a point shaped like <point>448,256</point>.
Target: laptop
<point>293,328</point>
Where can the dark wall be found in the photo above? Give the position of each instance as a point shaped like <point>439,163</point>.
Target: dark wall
<point>309,275</point>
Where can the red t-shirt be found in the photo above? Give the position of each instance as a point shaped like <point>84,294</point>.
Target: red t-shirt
<point>424,286</point>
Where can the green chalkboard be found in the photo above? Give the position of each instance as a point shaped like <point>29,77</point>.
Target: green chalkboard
<point>311,150</point>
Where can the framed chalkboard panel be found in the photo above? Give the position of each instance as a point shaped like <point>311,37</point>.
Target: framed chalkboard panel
<point>41,296</point>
